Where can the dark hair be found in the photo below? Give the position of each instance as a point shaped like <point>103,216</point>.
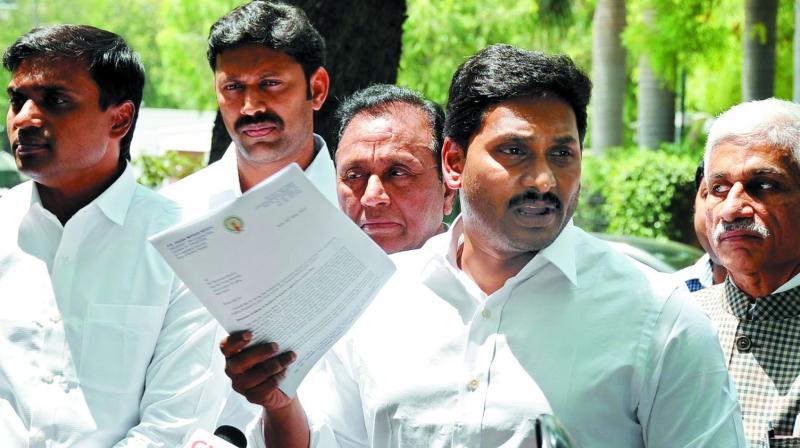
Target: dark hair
<point>699,174</point>
<point>500,73</point>
<point>274,25</point>
<point>112,64</point>
<point>378,99</point>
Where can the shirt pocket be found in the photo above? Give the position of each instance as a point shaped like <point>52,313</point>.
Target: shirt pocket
<point>118,343</point>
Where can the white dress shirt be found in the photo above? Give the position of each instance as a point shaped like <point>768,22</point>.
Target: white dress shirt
<point>218,183</point>
<point>101,344</point>
<point>621,359</point>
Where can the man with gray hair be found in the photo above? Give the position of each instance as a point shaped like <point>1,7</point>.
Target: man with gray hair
<point>752,161</point>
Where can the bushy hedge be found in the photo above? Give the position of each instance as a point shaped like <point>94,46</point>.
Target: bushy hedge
<point>640,192</point>
<point>156,170</point>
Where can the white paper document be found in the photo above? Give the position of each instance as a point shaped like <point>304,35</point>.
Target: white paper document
<point>282,262</point>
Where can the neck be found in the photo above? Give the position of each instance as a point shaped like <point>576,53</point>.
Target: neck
<point>65,200</point>
<point>718,273</point>
<point>490,268</point>
<point>252,173</point>
<point>760,284</point>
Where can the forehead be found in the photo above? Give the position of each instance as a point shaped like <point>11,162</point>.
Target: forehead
<point>255,60</point>
<point>48,72</point>
<point>730,159</point>
<point>530,117</point>
<point>401,130</point>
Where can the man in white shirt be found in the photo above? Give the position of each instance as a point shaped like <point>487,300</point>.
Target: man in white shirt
<point>514,311</point>
<point>101,344</point>
<point>752,164</point>
<point>269,78</point>
<point>388,166</point>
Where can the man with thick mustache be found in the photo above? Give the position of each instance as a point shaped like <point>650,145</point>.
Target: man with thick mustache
<point>753,215</point>
<point>514,311</point>
<point>269,79</point>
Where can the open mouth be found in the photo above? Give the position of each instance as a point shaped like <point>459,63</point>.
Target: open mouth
<point>527,210</point>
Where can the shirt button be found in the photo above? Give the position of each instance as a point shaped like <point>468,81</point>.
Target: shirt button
<point>473,385</point>
<point>744,344</point>
<point>486,314</point>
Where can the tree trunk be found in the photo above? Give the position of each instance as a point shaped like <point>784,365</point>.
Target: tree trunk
<point>796,53</point>
<point>363,40</point>
<point>758,69</point>
<point>656,104</point>
<point>608,74</point>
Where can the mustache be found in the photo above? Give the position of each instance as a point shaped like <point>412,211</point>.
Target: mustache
<point>746,224</point>
<point>30,136</point>
<point>259,117</point>
<point>532,195</point>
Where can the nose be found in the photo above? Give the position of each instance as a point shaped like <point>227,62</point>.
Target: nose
<point>736,204</point>
<point>539,176</point>
<point>29,115</point>
<point>253,102</point>
<point>374,194</point>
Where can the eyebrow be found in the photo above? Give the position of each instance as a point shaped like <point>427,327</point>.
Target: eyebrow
<point>51,88</point>
<point>766,171</point>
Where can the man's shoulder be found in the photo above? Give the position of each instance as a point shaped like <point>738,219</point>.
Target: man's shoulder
<point>710,299</point>
<point>199,183</point>
<point>14,204</point>
<point>153,207</point>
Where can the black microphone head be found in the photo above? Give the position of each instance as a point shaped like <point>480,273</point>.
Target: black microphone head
<point>231,435</point>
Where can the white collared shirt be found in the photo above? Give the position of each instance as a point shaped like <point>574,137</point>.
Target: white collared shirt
<point>621,359</point>
<point>218,183</point>
<point>101,344</point>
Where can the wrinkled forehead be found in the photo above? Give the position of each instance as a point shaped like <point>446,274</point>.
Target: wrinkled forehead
<point>733,158</point>
<point>393,133</point>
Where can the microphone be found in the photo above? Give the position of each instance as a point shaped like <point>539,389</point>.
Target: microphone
<point>223,437</point>
<point>231,435</point>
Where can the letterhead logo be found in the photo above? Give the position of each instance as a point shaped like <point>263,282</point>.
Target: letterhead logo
<point>233,224</point>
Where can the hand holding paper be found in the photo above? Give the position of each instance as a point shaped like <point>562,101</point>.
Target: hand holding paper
<point>282,262</point>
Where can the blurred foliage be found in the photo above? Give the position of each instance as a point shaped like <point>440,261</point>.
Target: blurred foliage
<point>439,34</point>
<point>629,190</point>
<point>640,192</point>
<point>155,171</point>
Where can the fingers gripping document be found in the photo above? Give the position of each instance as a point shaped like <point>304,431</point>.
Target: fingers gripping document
<point>282,262</point>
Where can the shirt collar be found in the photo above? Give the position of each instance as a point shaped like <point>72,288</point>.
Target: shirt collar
<point>776,306</point>
<point>116,200</point>
<point>321,171</point>
<point>794,282</point>
<point>113,202</point>
<point>560,253</point>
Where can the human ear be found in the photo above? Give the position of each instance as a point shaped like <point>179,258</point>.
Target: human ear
<point>453,160</point>
<point>122,119</point>
<point>319,83</point>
